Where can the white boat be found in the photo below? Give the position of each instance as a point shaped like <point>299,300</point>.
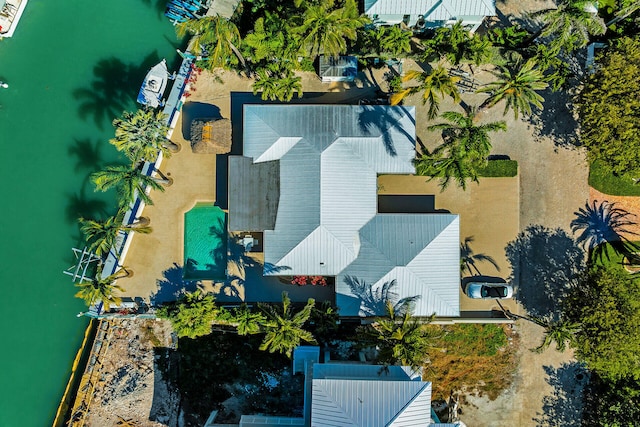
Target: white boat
<point>10,13</point>
<point>154,85</point>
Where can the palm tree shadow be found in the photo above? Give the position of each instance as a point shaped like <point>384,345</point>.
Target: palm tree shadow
<point>469,260</point>
<point>173,285</point>
<point>80,205</point>
<point>556,120</point>
<point>87,153</point>
<point>545,264</point>
<point>381,120</point>
<point>373,301</point>
<point>113,89</point>
<point>601,224</point>
<point>564,406</point>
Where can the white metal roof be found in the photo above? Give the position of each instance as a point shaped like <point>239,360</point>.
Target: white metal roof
<point>327,221</point>
<point>330,156</point>
<point>366,395</point>
<point>433,10</point>
<point>421,252</point>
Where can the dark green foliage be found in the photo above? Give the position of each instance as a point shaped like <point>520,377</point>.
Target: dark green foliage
<point>193,314</point>
<point>323,322</point>
<point>400,338</point>
<point>509,38</point>
<point>499,168</point>
<point>607,305</point>
<point>601,178</point>
<point>612,403</point>
<point>457,45</point>
<point>609,108</point>
<point>209,365</point>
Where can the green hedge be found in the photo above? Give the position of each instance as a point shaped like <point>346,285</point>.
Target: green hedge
<point>499,168</point>
<point>604,181</point>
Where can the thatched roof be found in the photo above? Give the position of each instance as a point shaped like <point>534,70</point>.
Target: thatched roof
<point>211,136</point>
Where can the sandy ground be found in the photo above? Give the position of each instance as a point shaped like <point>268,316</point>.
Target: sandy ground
<point>130,387</point>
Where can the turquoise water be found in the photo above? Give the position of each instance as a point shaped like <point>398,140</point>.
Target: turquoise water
<point>72,66</point>
<point>205,243</point>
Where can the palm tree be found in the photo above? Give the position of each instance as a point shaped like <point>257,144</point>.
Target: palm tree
<point>435,85</point>
<point>326,30</point>
<point>214,37</point>
<point>454,166</point>
<point>284,329</point>
<point>570,24</point>
<point>400,338</point>
<point>393,40</point>
<point>128,181</point>
<point>272,40</point>
<point>141,135</point>
<point>462,131</point>
<point>277,87</point>
<point>193,314</point>
<point>246,321</point>
<point>468,258</point>
<point>101,236</point>
<point>562,332</point>
<point>100,290</point>
<point>464,150</point>
<point>517,87</point>
<point>602,223</point>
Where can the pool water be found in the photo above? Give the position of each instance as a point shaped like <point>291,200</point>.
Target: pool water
<point>205,243</point>
<point>72,66</point>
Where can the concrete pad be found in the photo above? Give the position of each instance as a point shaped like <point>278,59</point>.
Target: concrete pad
<point>489,212</point>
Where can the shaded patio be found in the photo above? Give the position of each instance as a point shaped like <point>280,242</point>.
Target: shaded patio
<point>246,283</point>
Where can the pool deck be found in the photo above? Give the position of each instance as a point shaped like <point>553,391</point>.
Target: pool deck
<point>153,254</point>
<point>489,212</point>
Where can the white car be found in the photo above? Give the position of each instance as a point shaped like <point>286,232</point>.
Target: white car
<point>484,290</point>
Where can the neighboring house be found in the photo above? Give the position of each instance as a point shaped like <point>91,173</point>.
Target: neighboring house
<point>308,183</point>
<point>429,14</point>
<point>356,395</point>
<point>351,395</point>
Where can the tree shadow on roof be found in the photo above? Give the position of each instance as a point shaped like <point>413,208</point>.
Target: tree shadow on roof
<point>173,285</point>
<point>377,119</point>
<point>545,264</point>
<point>564,406</point>
<point>373,300</point>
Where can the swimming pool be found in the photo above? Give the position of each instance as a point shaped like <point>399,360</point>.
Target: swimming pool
<point>205,243</point>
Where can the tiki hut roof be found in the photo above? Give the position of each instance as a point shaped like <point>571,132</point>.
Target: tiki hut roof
<point>211,136</point>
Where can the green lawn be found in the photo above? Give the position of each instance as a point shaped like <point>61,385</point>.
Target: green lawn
<point>614,259</point>
<point>499,168</point>
<point>602,180</point>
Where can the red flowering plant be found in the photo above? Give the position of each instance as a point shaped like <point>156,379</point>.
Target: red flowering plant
<point>309,280</point>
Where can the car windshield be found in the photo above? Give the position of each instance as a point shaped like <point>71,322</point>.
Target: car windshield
<point>496,292</point>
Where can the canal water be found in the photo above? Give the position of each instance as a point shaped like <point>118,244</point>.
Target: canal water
<point>72,66</point>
